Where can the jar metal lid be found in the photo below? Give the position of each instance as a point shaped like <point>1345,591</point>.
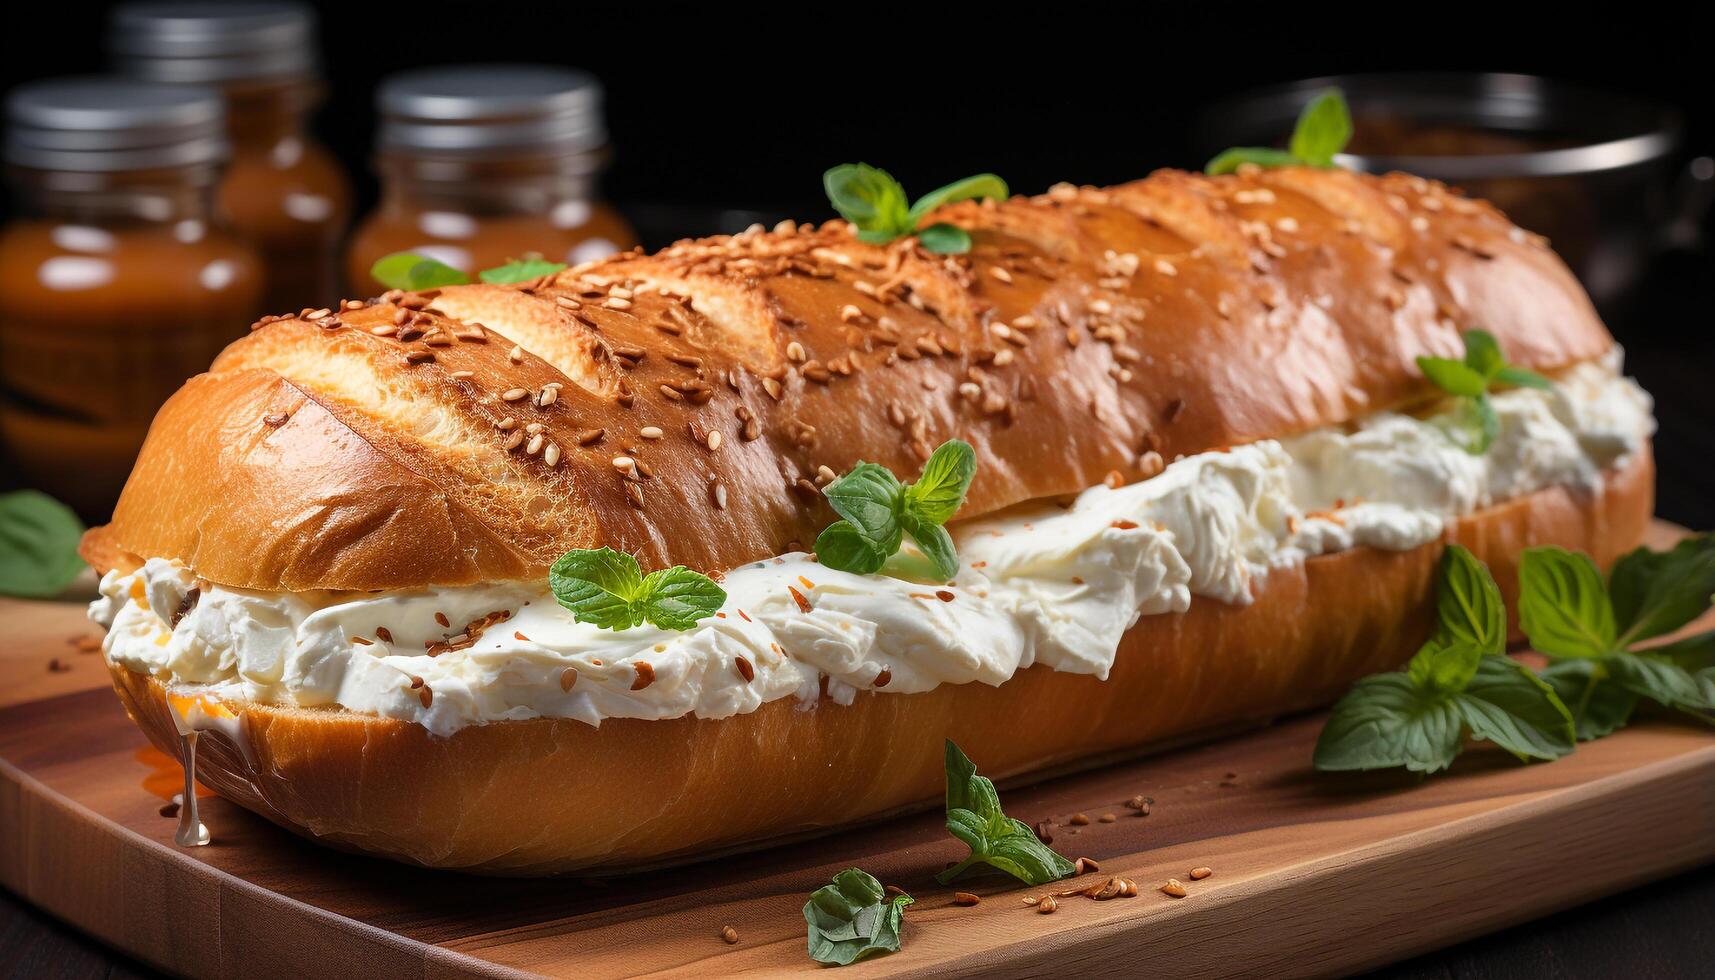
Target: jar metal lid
<point>213,42</point>
<point>106,125</point>
<point>491,109</point>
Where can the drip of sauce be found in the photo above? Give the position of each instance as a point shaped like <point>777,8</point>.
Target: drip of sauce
<point>193,715</point>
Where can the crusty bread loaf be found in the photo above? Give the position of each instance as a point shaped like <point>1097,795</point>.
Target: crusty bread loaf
<point>392,446</point>
<point>540,796</point>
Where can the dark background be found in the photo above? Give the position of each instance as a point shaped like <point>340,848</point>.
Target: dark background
<point>740,107</point>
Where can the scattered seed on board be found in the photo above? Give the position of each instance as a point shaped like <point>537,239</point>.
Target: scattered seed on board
<point>729,934</point>
<point>1174,887</point>
<point>1078,819</point>
<point>1198,874</point>
<point>1046,905</point>
<point>965,898</point>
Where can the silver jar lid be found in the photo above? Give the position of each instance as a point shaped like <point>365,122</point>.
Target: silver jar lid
<point>107,125</point>
<point>480,110</point>
<point>213,42</point>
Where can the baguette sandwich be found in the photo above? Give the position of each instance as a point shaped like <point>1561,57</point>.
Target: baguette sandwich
<point>1211,487</point>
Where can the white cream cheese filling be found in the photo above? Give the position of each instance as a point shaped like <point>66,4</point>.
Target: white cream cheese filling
<point>1041,583</point>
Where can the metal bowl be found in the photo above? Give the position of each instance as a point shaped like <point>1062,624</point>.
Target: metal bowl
<point>1598,173</point>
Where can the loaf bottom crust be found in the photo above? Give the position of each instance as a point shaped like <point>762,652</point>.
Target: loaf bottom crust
<point>545,796</point>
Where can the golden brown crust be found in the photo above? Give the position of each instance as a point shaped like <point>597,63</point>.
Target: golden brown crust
<point>531,797</point>
<point>375,448</point>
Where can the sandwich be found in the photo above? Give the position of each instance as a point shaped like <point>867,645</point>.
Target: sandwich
<point>667,555</point>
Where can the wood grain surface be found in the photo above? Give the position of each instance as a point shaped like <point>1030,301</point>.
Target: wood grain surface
<point>1313,874</point>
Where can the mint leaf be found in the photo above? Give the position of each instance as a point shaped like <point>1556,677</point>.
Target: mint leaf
<point>1657,592</point>
<point>868,496</point>
<point>607,589</point>
<point>1386,721</point>
<point>1563,605</point>
<point>936,543</point>
<point>1522,378</point>
<point>677,598</point>
<point>968,189</point>
<point>843,547</point>
<point>1453,377</point>
<point>1229,161</point>
<point>870,199</point>
<point>945,239</point>
<point>974,816</point>
<point>1658,678</point>
<point>939,491</point>
<point>1508,705</point>
<point>520,270</point>
<point>852,918</point>
<point>38,545</point>
<point>1324,128</point>
<point>1598,706</point>
<point>410,271</point>
<point>1468,604</point>
<point>1444,665</point>
<point>1483,355</point>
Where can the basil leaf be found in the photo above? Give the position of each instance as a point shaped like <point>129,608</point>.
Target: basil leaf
<point>1657,592</point>
<point>1387,721</point>
<point>408,270</point>
<point>843,547</point>
<point>868,496</point>
<point>677,598</point>
<point>1229,161</point>
<point>1453,377</point>
<point>970,188</point>
<point>1599,707</point>
<point>975,817</point>
<point>852,918</point>
<point>936,543</point>
<point>1658,678</point>
<point>1508,705</point>
<point>600,586</point>
<point>1522,378</point>
<point>1444,665</point>
<point>1324,127</point>
<point>38,545</point>
<point>1563,607</point>
<point>1483,353</point>
<point>519,270</point>
<point>1468,603</point>
<point>947,475</point>
<point>945,239</point>
<point>1694,653</point>
<point>870,199</point>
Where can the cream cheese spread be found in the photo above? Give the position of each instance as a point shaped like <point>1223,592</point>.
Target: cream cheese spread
<point>1039,584</point>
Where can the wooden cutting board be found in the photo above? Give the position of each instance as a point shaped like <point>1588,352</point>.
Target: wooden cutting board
<point>1313,874</point>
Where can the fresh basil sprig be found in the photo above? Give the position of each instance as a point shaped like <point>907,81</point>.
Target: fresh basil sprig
<point>974,816</point>
<point>1590,631</point>
<point>1460,681</point>
<point>608,589</point>
<point>38,545</point>
<point>879,511</point>
<point>876,205</point>
<point>409,270</point>
<point>1474,425</point>
<point>853,918</point>
<point>1323,129</point>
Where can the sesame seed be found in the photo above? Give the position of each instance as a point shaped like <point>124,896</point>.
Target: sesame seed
<point>795,352</point>
<point>568,678</point>
<point>516,354</point>
<point>650,432</point>
<point>514,394</point>
<point>385,330</point>
<point>1000,273</point>
<point>551,454</point>
<point>1165,267</point>
<point>514,440</point>
<point>548,396</point>
<point>719,493</point>
<point>590,437</point>
<point>419,356</point>
<point>535,444</point>
<point>714,440</point>
<point>624,464</point>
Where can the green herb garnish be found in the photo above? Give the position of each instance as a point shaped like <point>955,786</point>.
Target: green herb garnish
<point>38,545</point>
<point>1459,682</point>
<point>876,205</point>
<point>1322,131</point>
<point>879,511</point>
<point>1590,631</point>
<point>853,918</point>
<point>608,589</point>
<point>411,271</point>
<point>1474,425</point>
<point>974,816</point>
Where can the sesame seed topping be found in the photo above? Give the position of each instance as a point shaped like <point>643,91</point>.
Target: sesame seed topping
<point>514,394</point>
<point>650,432</point>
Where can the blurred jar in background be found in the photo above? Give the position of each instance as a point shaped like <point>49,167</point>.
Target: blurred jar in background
<point>116,280</point>
<point>283,191</point>
<point>483,163</point>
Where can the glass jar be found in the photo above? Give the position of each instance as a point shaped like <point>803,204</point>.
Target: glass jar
<point>283,191</point>
<point>481,164</point>
<point>117,281</point>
